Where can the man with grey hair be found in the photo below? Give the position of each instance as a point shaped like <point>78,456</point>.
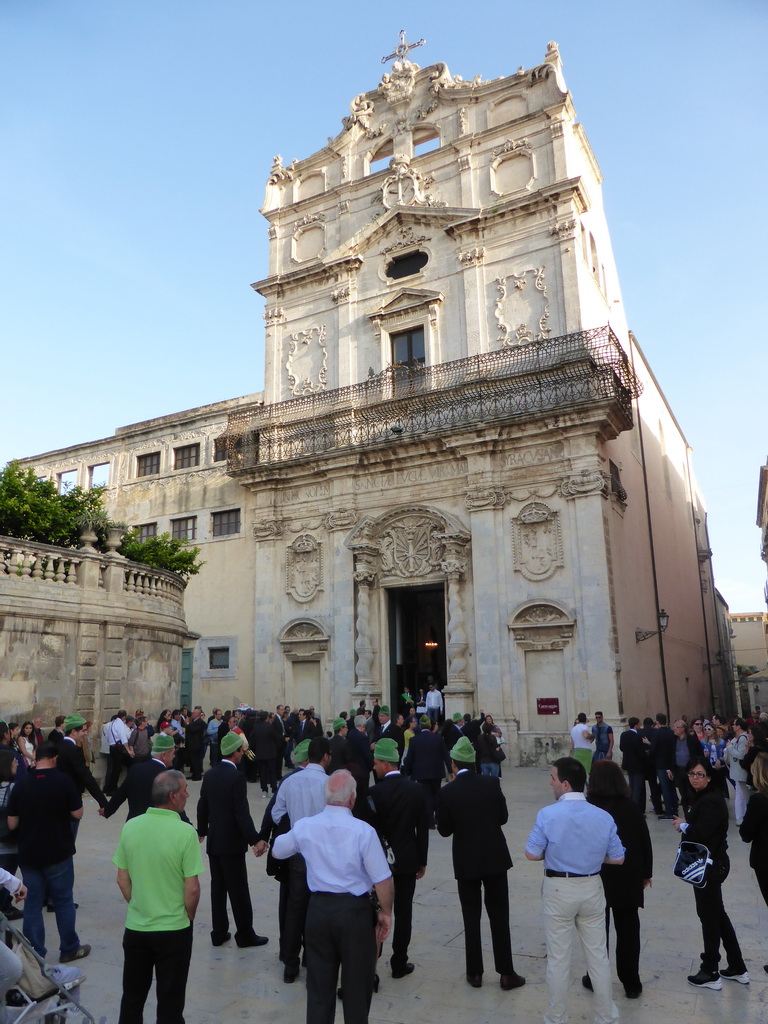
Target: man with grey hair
<point>158,863</point>
<point>359,747</point>
<point>344,861</point>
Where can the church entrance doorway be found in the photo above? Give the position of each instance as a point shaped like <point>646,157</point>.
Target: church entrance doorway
<point>417,641</point>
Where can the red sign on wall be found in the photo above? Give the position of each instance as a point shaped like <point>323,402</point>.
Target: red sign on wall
<point>547,706</point>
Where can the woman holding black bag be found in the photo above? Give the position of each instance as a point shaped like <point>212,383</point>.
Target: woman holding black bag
<point>707,824</point>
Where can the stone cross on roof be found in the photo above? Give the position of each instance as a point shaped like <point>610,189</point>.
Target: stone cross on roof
<point>402,49</point>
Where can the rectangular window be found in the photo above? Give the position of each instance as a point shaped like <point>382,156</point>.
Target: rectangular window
<point>184,529</point>
<point>218,657</point>
<point>220,449</point>
<point>148,465</point>
<point>408,347</point>
<point>225,523</point>
<point>186,457</point>
<point>616,487</point>
<point>147,531</point>
<point>67,481</point>
<point>98,476</point>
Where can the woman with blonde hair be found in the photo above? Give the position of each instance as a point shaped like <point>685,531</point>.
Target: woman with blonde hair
<point>754,827</point>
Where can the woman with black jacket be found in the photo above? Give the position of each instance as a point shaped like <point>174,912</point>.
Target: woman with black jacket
<point>707,823</point>
<point>754,828</point>
<point>623,883</point>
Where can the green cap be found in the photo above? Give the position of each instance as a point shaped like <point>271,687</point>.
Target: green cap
<point>424,720</point>
<point>231,742</point>
<point>162,742</point>
<point>339,723</point>
<point>386,750</point>
<point>74,721</point>
<point>457,716</point>
<point>384,709</point>
<point>462,751</point>
<point>301,752</point>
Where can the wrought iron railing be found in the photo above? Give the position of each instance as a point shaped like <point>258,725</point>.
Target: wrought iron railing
<point>408,401</point>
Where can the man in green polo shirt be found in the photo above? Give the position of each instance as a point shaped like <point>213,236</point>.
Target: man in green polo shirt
<point>158,862</point>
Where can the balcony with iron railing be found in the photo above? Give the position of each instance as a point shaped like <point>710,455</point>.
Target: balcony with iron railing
<point>579,370</point>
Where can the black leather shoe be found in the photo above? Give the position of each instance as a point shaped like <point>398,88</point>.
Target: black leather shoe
<point>510,981</point>
<point>586,981</point>
<point>475,980</point>
<point>255,940</point>
<point>13,914</point>
<point>402,972</point>
<point>633,993</point>
<point>220,942</point>
<point>290,975</point>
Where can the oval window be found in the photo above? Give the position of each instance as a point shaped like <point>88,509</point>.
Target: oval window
<point>404,266</point>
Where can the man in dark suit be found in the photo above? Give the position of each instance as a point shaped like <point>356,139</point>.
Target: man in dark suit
<point>388,729</point>
<point>194,741</point>
<point>472,809</point>
<point>136,788</point>
<point>401,821</point>
<point>471,728</point>
<point>339,746</point>
<point>359,746</point>
<point>427,762</point>
<point>72,760</point>
<point>662,755</point>
<point>223,816</point>
<point>633,761</point>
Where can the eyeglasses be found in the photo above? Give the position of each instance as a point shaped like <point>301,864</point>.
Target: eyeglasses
<point>697,775</point>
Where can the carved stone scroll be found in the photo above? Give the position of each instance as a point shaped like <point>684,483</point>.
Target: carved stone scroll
<point>522,307</point>
<point>589,481</point>
<point>537,541</point>
<point>307,362</point>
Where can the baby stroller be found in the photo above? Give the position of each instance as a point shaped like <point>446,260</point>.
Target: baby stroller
<point>48,993</point>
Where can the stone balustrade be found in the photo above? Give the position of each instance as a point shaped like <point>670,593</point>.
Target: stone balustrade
<point>30,561</point>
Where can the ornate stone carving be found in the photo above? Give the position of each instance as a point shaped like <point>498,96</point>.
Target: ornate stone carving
<point>340,295</point>
<point>271,232</point>
<point>304,640</point>
<point>405,239</point>
<point>304,568</point>
<point>537,541</point>
<point>589,481</point>
<point>405,187</point>
<point>541,627</point>
<point>344,206</point>
<point>339,519</point>
<point>522,310</point>
<point>565,229</point>
<point>465,162</point>
<point>556,127</point>
<point>364,577</point>
<point>397,86</point>
<point>267,529</point>
<point>471,257</point>
<point>307,362</point>
<point>274,316</point>
<point>412,546</point>
<point>477,500</point>
<point>278,174</point>
<point>512,146</point>
<point>463,127</point>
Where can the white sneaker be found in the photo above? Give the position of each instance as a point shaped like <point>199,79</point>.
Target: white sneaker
<point>743,979</point>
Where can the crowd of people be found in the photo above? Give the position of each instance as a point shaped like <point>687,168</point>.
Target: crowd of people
<point>346,833</point>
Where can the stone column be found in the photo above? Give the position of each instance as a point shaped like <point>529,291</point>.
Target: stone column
<point>365,578</point>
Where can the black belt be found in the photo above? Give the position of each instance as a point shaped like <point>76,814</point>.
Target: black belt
<point>568,874</point>
<point>346,895</point>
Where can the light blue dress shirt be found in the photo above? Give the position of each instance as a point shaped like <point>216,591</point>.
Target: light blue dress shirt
<point>574,836</point>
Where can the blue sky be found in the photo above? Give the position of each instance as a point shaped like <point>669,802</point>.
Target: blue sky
<point>138,136</point>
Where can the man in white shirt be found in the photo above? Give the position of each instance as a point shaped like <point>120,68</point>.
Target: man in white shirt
<point>581,741</point>
<point>434,702</point>
<point>344,861</point>
<point>119,736</point>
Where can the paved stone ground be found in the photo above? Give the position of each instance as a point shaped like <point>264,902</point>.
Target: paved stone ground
<point>228,985</point>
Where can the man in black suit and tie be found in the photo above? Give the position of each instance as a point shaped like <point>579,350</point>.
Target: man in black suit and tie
<point>390,730</point>
<point>339,747</point>
<point>472,809</point>
<point>136,788</point>
<point>72,760</point>
<point>401,820</point>
<point>223,816</point>
<point>427,762</point>
<point>633,761</point>
<point>359,747</point>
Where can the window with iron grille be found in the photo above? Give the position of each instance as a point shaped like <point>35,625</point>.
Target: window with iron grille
<point>225,523</point>
<point>184,529</point>
<point>186,457</point>
<point>147,531</point>
<point>616,487</point>
<point>148,465</point>
<point>218,657</point>
<point>220,449</point>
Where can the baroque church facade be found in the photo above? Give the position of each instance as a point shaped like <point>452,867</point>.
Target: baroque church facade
<point>461,468</point>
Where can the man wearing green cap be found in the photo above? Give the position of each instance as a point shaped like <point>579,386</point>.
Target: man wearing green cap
<point>72,761</point>
<point>401,821</point>
<point>389,729</point>
<point>472,809</point>
<point>339,746</point>
<point>136,788</point>
<point>223,816</point>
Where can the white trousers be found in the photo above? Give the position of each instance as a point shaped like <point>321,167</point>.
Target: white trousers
<point>741,796</point>
<point>576,906</point>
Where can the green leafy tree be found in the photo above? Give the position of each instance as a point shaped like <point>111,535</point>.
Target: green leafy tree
<point>32,509</point>
<point>163,552</point>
